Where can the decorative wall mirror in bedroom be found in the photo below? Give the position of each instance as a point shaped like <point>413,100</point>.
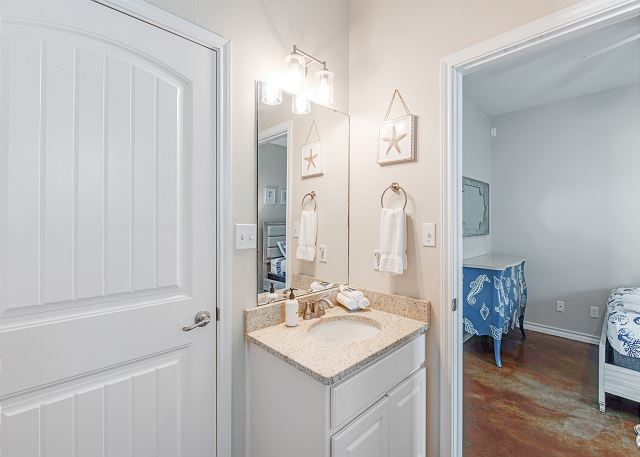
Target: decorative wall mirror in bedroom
<point>303,195</point>
<point>475,207</point>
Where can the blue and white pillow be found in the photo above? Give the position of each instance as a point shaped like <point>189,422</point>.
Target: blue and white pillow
<point>283,247</point>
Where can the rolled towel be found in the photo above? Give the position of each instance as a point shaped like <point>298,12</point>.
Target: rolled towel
<point>351,304</point>
<point>351,292</point>
<point>320,285</point>
<point>631,298</point>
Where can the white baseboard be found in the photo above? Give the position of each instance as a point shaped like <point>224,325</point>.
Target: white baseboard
<point>562,333</point>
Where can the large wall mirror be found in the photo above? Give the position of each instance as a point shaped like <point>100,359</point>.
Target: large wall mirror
<point>303,197</point>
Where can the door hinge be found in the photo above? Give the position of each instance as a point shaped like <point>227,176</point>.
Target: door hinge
<point>217,313</point>
<point>454,304</point>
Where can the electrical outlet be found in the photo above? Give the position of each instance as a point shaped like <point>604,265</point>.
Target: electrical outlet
<point>594,312</point>
<point>323,253</point>
<point>560,306</point>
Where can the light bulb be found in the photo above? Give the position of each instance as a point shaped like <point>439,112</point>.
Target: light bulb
<point>300,104</point>
<point>271,94</point>
<point>324,92</point>
<point>295,72</point>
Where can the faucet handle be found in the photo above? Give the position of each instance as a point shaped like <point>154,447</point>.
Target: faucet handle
<point>308,311</point>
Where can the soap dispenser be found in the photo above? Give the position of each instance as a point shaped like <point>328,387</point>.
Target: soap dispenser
<point>291,310</point>
<point>272,293</point>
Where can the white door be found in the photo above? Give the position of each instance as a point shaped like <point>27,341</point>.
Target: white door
<point>367,436</point>
<point>407,417</point>
<point>107,235</point>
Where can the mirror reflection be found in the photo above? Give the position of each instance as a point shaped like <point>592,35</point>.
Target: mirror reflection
<point>475,207</point>
<point>303,195</point>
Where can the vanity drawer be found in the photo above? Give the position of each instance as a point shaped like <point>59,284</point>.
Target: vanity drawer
<point>359,392</point>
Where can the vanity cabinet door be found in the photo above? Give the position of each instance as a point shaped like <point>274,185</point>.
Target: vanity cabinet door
<point>407,417</point>
<point>367,436</point>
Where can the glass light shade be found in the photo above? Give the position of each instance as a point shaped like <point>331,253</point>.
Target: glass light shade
<point>295,72</point>
<point>300,104</point>
<point>324,91</point>
<point>271,95</point>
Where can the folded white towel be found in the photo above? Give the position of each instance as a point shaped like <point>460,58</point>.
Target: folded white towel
<point>307,232</point>
<point>350,304</point>
<point>631,298</point>
<point>320,285</point>
<point>393,241</point>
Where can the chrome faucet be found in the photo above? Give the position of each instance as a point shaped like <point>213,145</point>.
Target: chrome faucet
<point>316,308</point>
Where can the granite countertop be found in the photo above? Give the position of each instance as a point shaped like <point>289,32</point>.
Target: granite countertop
<point>327,362</point>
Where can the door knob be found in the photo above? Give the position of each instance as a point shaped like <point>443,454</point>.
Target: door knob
<point>201,319</point>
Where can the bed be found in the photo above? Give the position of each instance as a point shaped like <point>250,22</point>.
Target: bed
<point>619,358</point>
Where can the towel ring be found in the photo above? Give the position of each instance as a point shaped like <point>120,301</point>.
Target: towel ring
<point>312,195</point>
<point>396,188</point>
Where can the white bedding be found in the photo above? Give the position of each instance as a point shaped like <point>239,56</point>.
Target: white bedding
<point>623,324</point>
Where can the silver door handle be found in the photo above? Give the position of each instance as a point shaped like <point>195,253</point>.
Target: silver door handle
<point>201,319</point>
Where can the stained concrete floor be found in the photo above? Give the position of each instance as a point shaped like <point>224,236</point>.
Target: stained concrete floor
<point>542,402</point>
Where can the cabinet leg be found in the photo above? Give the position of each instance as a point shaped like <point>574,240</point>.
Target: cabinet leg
<point>496,350</point>
<point>521,323</point>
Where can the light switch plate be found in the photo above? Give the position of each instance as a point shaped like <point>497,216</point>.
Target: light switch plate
<point>246,235</point>
<point>322,253</point>
<point>560,306</point>
<point>295,229</point>
<point>429,234</point>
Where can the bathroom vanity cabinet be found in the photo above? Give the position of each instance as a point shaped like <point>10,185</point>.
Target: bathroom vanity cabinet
<point>377,411</point>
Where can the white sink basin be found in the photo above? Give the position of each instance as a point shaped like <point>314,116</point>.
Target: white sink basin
<point>344,329</point>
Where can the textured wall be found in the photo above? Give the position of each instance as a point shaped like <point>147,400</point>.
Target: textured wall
<point>476,163</point>
<point>262,32</point>
<point>400,45</point>
<point>565,196</point>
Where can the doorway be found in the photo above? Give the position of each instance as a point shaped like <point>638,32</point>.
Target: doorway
<point>538,35</point>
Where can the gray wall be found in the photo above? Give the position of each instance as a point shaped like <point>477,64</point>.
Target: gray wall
<point>476,164</point>
<point>566,194</point>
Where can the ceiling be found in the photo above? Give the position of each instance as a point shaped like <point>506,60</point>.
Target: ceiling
<point>559,71</point>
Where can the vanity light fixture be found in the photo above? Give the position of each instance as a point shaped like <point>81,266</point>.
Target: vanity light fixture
<point>271,94</point>
<point>296,65</point>
<point>300,104</point>
<point>295,71</point>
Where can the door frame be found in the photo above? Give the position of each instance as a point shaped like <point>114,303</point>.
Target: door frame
<point>160,18</point>
<point>542,32</point>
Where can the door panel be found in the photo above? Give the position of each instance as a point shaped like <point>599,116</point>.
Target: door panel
<point>134,407</point>
<point>407,417</point>
<point>367,436</point>
<point>107,234</point>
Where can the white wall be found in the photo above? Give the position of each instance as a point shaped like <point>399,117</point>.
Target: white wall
<point>400,45</point>
<point>476,164</point>
<point>262,32</point>
<point>566,193</point>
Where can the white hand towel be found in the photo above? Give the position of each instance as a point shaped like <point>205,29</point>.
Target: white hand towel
<point>393,241</point>
<point>307,231</point>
